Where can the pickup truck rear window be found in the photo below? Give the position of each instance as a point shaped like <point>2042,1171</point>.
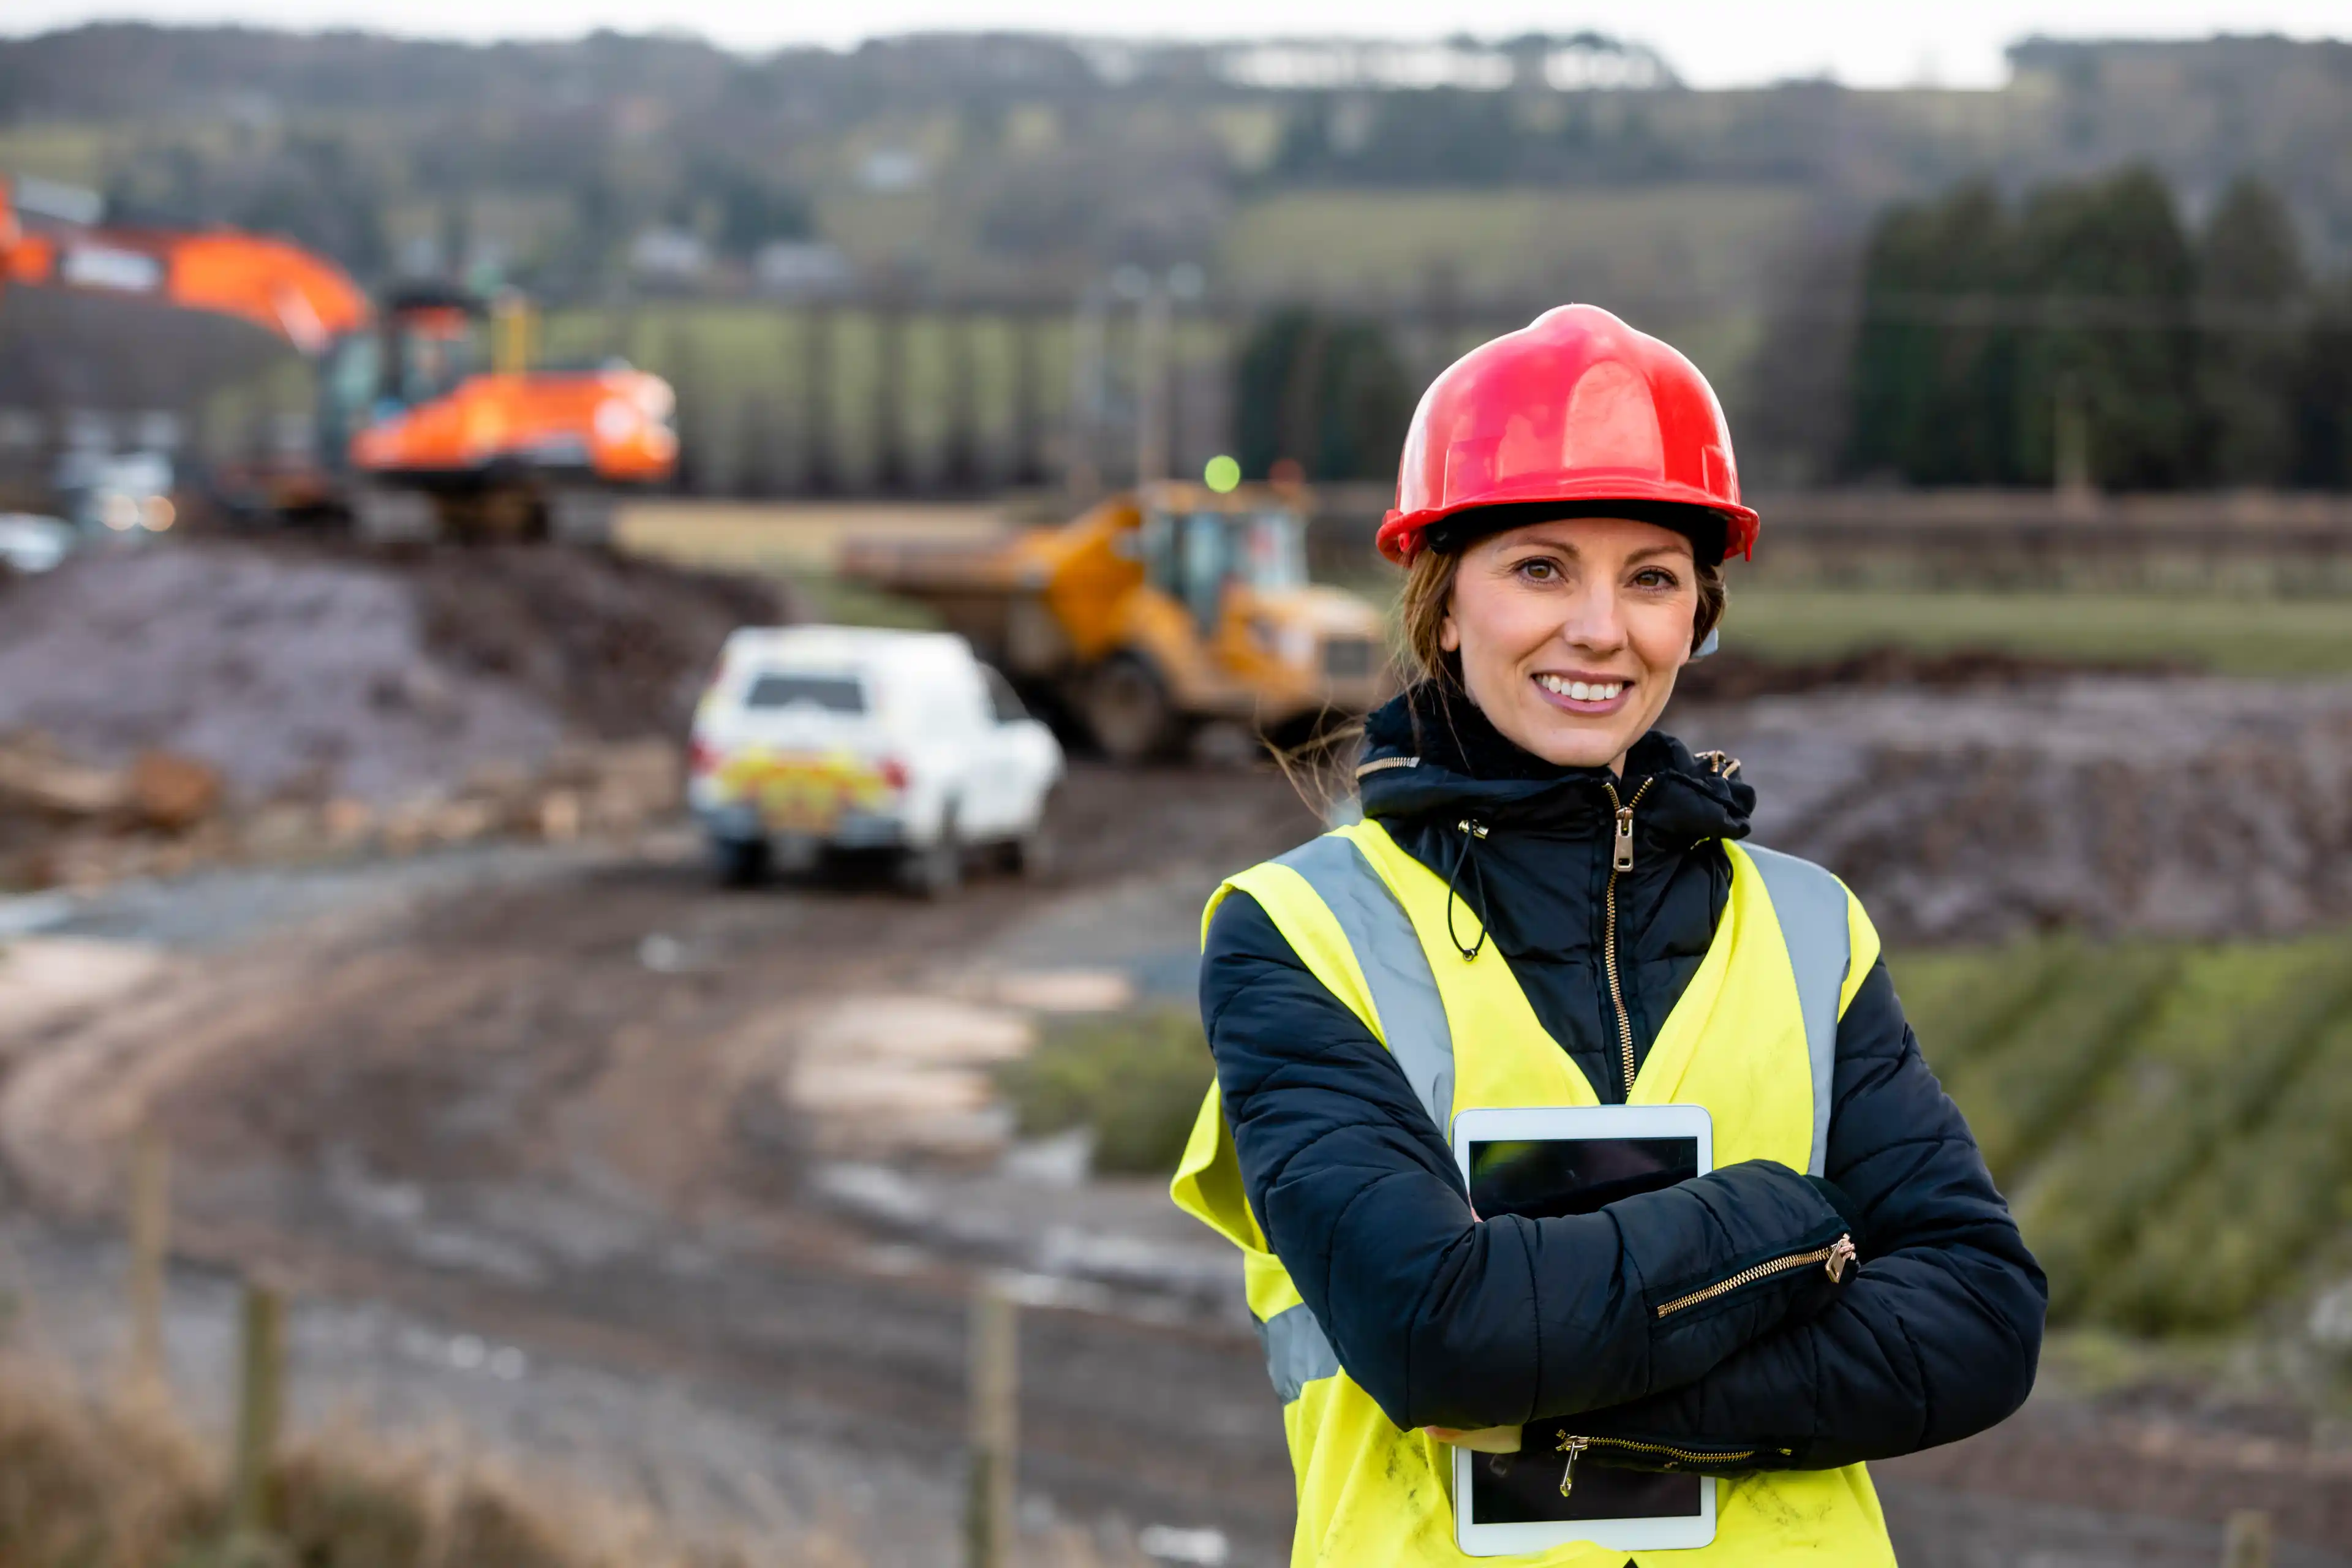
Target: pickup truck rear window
<point>834,693</point>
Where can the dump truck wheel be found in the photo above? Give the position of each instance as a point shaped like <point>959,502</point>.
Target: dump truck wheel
<point>1129,711</point>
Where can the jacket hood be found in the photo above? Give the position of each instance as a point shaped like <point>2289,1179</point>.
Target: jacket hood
<point>1431,753</point>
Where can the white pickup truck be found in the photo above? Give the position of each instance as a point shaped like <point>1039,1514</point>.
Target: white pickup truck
<point>847,738</point>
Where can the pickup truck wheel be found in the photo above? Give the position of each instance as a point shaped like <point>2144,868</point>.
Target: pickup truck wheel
<point>1129,711</point>
<point>1036,854</point>
<point>740,862</point>
<point>936,870</point>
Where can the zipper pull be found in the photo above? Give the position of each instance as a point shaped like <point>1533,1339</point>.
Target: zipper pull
<point>1841,1258</point>
<point>1571,1447</point>
<point>1623,861</point>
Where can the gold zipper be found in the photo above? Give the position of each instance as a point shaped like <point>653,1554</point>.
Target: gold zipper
<point>1620,861</point>
<point>1834,1259</point>
<point>1574,1448</point>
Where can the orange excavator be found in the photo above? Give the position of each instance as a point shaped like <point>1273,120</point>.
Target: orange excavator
<point>432,422</point>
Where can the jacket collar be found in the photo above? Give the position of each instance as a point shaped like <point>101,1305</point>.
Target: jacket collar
<point>1430,753</point>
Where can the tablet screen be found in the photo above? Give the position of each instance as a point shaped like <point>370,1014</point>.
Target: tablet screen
<point>1548,1178</point>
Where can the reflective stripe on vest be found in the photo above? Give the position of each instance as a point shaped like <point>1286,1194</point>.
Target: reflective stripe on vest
<point>1297,1353</point>
<point>1810,905</point>
<point>1396,970</point>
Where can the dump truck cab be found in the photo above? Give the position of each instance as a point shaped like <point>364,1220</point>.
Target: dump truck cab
<point>1153,613</point>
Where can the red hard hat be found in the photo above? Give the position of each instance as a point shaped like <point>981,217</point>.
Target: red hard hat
<point>1576,407</point>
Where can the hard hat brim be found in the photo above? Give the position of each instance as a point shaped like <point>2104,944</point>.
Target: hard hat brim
<point>1717,530</point>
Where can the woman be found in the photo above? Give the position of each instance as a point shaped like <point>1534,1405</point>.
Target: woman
<point>1547,904</point>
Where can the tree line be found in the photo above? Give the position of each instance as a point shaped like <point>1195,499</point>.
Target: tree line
<point>2084,332</point>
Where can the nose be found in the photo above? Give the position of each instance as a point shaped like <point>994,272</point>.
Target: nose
<point>1594,622</point>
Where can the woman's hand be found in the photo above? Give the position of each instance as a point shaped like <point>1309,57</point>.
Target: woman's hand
<point>1484,1440</point>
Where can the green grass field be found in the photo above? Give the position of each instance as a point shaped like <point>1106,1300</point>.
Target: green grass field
<point>2229,635</point>
<point>2173,1123</point>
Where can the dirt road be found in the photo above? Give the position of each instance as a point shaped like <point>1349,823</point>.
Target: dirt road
<point>540,1104</point>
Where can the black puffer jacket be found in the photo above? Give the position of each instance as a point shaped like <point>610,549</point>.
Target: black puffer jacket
<point>1446,1320</point>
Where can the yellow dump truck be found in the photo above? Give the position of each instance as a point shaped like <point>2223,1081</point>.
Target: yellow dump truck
<point>1151,613</point>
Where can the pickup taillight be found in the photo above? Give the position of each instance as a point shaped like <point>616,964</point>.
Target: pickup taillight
<point>893,772</point>
<point>701,757</point>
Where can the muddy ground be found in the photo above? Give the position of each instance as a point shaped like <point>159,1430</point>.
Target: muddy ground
<point>531,1132</point>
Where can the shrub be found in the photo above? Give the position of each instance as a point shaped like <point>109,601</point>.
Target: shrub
<point>1135,1079</point>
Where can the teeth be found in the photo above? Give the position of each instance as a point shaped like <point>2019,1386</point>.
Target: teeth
<point>1582,691</point>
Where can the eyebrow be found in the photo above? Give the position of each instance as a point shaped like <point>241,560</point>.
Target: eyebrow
<point>1569,548</point>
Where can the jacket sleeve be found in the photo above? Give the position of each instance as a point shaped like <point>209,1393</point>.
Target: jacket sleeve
<point>1938,1335</point>
<point>1442,1318</point>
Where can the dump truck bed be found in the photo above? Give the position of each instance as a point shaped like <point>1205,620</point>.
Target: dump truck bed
<point>991,591</point>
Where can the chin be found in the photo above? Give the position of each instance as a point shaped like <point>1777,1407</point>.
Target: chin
<point>1580,748</point>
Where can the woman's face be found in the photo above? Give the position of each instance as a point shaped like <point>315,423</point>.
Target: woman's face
<point>1571,633</point>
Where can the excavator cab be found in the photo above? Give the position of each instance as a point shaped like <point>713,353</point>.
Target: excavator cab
<point>426,343</point>
<point>431,344</point>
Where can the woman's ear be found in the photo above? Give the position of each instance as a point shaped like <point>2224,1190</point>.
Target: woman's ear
<point>1449,635</point>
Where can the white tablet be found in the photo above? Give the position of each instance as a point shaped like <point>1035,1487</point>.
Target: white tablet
<point>1572,1160</point>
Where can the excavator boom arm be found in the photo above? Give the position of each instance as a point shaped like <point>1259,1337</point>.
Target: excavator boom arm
<point>303,298</point>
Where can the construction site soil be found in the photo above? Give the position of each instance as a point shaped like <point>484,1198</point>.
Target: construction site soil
<point>684,1191</point>
<point>519,1127</point>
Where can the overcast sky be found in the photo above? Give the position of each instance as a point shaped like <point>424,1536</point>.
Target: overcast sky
<point>1713,43</point>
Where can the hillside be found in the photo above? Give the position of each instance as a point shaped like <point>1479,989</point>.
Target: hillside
<point>1028,162</point>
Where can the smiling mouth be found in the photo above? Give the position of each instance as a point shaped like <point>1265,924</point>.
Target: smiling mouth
<point>1582,696</point>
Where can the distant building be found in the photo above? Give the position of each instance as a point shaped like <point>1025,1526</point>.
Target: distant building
<point>892,169</point>
<point>676,254</point>
<point>1578,64</point>
<point>801,268</point>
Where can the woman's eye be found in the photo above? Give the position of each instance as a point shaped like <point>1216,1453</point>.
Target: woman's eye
<point>1654,577</point>
<point>1538,571</point>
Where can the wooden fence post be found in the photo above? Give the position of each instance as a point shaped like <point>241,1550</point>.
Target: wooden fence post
<point>150,1224</point>
<point>994,1415</point>
<point>819,472</point>
<point>893,464</point>
<point>260,1409</point>
<point>2246,1540</point>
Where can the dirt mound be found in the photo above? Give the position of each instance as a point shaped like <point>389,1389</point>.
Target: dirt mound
<point>2184,807</point>
<point>617,647</point>
<point>308,670</point>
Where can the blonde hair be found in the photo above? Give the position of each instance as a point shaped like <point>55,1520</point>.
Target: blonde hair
<point>1429,594</point>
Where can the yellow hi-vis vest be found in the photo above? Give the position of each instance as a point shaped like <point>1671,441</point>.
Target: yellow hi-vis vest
<point>1752,1039</point>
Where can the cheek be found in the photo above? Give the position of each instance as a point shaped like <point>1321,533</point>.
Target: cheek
<point>1498,624</point>
<point>1661,633</point>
